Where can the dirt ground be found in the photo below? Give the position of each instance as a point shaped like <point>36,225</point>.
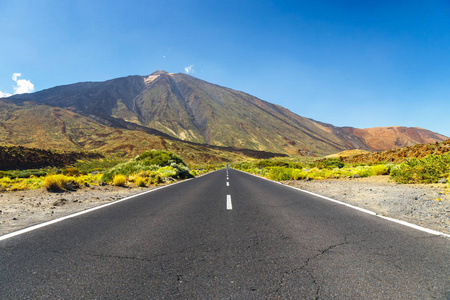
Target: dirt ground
<point>26,208</point>
<point>424,205</point>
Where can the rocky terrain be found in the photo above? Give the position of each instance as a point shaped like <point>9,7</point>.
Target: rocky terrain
<point>13,158</point>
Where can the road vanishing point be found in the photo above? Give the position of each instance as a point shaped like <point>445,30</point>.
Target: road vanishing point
<point>225,235</point>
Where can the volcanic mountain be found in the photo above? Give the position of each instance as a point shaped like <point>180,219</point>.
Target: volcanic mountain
<point>182,107</point>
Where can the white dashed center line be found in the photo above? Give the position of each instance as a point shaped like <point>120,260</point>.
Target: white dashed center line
<point>229,206</point>
<point>228,184</point>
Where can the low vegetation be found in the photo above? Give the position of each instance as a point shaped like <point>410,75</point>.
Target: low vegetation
<point>119,180</point>
<point>399,155</point>
<point>322,169</point>
<point>150,168</point>
<point>200,169</point>
<point>55,183</point>
<point>429,169</point>
<point>157,166</point>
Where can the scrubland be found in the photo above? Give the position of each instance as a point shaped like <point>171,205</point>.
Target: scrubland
<point>430,169</point>
<point>415,189</point>
<point>154,167</point>
<point>150,168</point>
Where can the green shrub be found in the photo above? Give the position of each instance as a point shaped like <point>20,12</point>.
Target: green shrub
<point>270,163</point>
<point>167,172</point>
<point>154,178</point>
<point>242,166</point>
<point>120,180</point>
<point>426,170</point>
<point>380,170</point>
<point>26,184</point>
<point>196,173</point>
<point>298,174</point>
<point>150,161</point>
<point>182,170</point>
<point>329,163</point>
<point>140,181</point>
<point>328,174</point>
<point>280,173</point>
<point>25,173</point>
<point>159,157</point>
<point>364,171</point>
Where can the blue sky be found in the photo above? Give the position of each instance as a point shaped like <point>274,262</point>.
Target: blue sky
<point>349,63</point>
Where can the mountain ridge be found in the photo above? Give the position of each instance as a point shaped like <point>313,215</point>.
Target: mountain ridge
<point>181,107</point>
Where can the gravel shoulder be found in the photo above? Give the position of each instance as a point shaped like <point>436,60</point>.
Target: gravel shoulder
<point>22,209</point>
<point>426,205</point>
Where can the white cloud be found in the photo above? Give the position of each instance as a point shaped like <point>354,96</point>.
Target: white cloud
<point>189,69</point>
<point>4,95</point>
<point>23,85</point>
<point>15,75</point>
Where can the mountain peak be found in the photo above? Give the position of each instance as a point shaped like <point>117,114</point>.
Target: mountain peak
<point>160,72</point>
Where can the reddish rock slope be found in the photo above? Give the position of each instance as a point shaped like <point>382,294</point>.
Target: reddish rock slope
<point>385,138</point>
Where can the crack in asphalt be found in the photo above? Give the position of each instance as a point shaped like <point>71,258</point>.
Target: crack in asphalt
<point>282,282</point>
<point>120,257</point>
<point>305,267</point>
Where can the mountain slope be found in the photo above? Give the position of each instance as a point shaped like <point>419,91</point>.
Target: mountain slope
<point>385,138</point>
<point>400,154</point>
<point>187,108</point>
<point>193,109</point>
<point>45,127</point>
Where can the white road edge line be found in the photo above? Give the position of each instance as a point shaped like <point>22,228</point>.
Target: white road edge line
<point>37,226</point>
<point>417,227</point>
<point>229,206</point>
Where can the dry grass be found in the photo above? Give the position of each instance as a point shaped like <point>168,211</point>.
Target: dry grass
<point>348,153</point>
<point>55,182</point>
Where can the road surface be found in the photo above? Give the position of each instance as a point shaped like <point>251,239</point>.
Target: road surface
<point>216,238</point>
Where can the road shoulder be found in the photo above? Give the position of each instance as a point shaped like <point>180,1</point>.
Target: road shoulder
<point>21,209</point>
<point>424,205</point>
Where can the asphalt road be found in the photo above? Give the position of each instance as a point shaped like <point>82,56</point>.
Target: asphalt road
<point>184,242</point>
